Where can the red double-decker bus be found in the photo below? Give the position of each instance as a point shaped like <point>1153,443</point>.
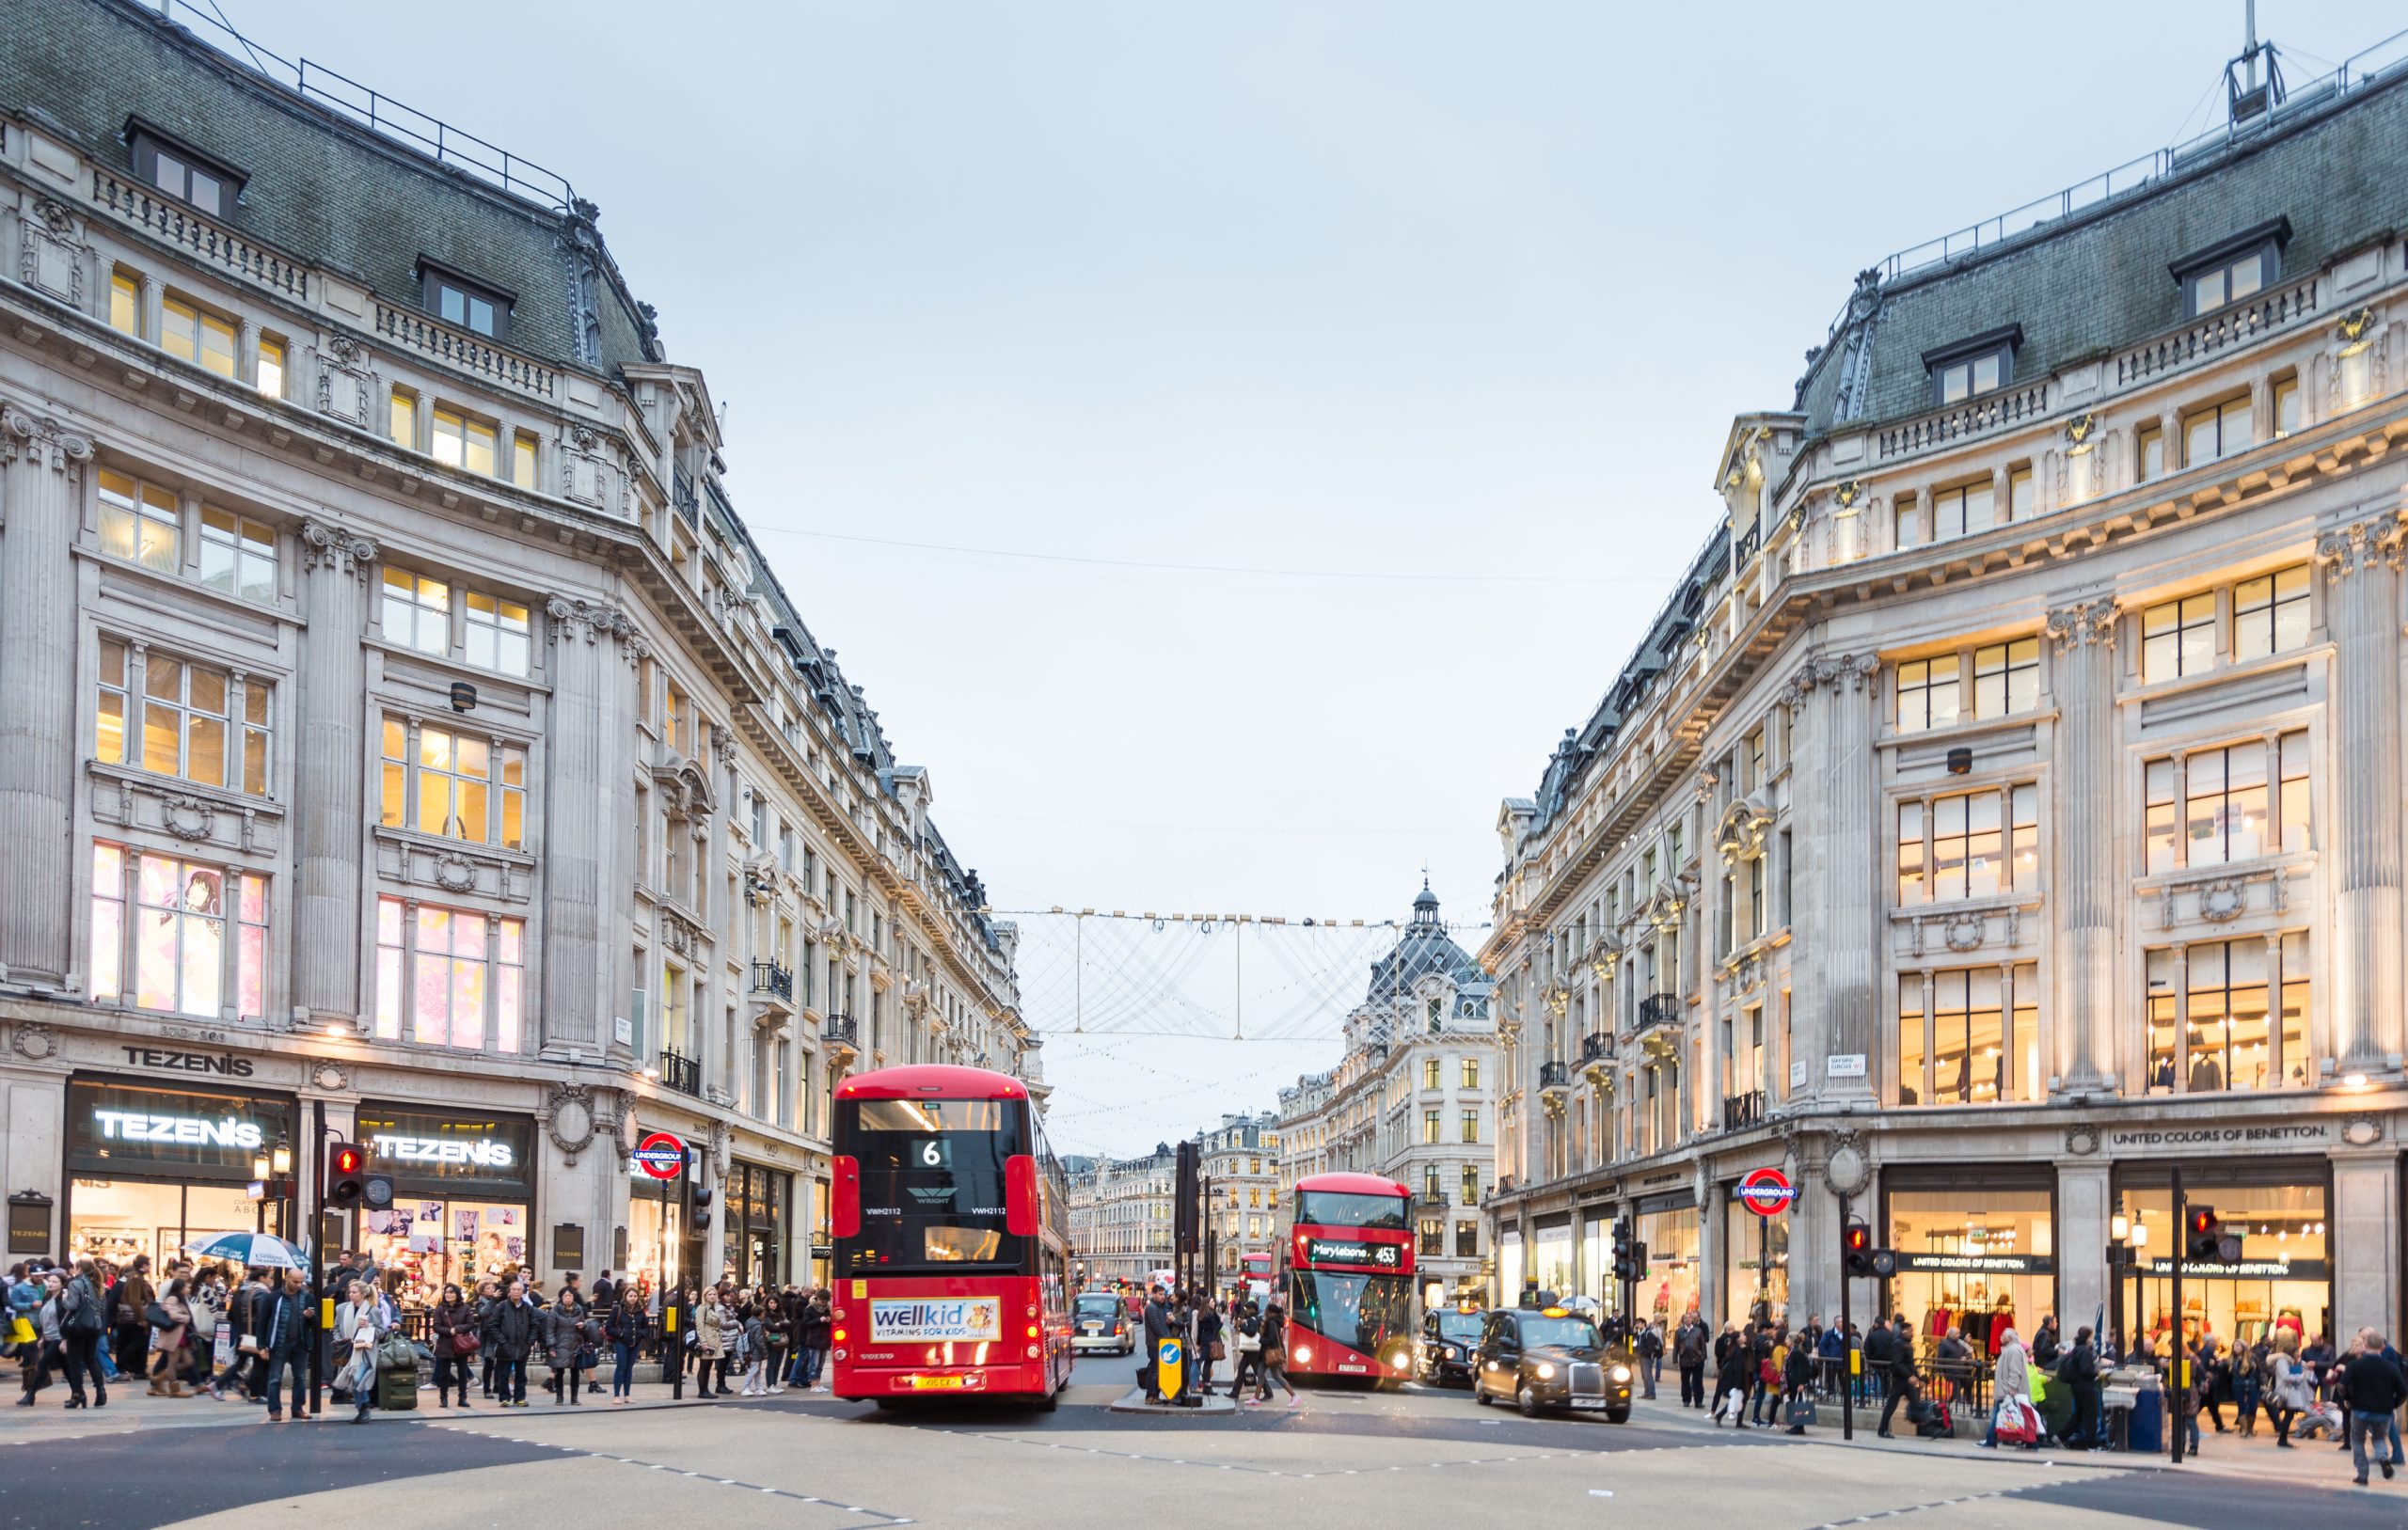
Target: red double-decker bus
<point>952,1251</point>
<point>1350,1279</point>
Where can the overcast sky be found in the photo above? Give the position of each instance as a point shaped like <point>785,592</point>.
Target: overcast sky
<point>1462,297</point>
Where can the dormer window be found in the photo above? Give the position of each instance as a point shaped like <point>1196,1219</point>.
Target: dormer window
<point>462,301</point>
<point>183,172</point>
<point>2232,269</point>
<point>1979,364</point>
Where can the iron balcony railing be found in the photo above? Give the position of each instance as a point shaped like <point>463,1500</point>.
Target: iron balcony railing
<point>1751,542</point>
<point>841,1031</point>
<point>681,1072</point>
<point>1743,1111</point>
<point>1596,1047</point>
<point>1555,1075</point>
<point>1659,1009</point>
<point>774,980</point>
<point>681,496</point>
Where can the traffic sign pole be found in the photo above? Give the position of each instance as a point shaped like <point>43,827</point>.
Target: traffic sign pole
<point>1847,1335</point>
<point>663,1156</point>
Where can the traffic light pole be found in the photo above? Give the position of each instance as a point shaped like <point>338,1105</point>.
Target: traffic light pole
<point>1847,1336</point>
<point>318,1262</point>
<point>2178,1391</point>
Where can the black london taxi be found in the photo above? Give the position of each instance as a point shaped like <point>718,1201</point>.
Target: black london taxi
<point>1550,1357</point>
<point>1450,1337</point>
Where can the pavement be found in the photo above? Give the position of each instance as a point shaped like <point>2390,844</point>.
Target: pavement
<point>1409,1457</point>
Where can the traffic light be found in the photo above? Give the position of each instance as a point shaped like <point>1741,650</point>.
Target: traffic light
<point>703,1199</point>
<point>1624,1267</point>
<point>2203,1241</point>
<point>1185,1214</point>
<point>1857,1249</point>
<point>346,1175</point>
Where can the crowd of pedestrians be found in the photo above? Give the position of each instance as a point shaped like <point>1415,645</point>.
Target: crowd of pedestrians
<point>1251,1336</point>
<point>222,1333</point>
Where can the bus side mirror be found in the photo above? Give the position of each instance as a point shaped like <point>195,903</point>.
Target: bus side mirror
<point>845,1198</point>
<point>1020,1217</point>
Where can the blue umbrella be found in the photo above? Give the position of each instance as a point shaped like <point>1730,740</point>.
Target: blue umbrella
<point>259,1250</point>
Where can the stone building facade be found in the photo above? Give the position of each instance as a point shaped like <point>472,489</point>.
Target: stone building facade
<point>1239,1161</point>
<point>2005,810</point>
<point>403,730</point>
<point>1413,1098</point>
<point>1120,1217</point>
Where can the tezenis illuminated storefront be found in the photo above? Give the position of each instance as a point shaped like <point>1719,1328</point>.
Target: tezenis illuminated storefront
<point>149,1171</point>
<point>464,1197</point>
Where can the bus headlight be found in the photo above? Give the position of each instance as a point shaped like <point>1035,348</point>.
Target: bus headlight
<point>1304,1355</point>
<point>1621,1374</point>
<point>1401,1362</point>
<point>1546,1371</point>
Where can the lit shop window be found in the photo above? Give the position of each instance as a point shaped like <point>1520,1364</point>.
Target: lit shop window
<point>192,936</point>
<point>450,977</point>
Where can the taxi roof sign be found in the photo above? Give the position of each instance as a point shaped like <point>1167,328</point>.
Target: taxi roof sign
<point>1554,1312</point>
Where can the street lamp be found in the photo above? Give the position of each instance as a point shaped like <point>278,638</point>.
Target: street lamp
<point>283,1157</point>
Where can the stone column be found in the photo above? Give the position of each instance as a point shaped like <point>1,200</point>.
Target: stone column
<point>2362,572</point>
<point>2085,868</point>
<point>43,463</point>
<point>2365,1233</point>
<point>2079,1241</point>
<point>1842,694</point>
<point>580,837</point>
<point>329,809</point>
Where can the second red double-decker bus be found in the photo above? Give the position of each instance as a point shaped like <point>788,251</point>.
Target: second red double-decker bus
<point>951,1255</point>
<point>1350,1279</point>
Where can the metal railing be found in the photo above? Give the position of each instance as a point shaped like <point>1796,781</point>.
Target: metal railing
<point>378,112</point>
<point>841,1031</point>
<point>1750,542</point>
<point>1555,1075</point>
<point>682,498</point>
<point>681,1072</point>
<point>1743,1111</point>
<point>1659,1009</point>
<point>1596,1047</point>
<point>772,979</point>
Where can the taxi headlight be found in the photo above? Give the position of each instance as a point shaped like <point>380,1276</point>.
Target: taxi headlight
<point>1621,1374</point>
<point>1547,1372</point>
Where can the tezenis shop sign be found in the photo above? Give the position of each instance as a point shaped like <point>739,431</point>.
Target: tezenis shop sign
<point>485,1151</point>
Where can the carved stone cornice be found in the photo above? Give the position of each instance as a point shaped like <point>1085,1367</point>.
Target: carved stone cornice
<point>2375,542</point>
<point>1834,673</point>
<point>2083,623</point>
<point>41,440</point>
<point>337,549</point>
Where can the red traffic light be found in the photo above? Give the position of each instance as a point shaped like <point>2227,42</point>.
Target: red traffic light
<point>349,1160</point>
<point>2202,1219</point>
<point>1860,1238</point>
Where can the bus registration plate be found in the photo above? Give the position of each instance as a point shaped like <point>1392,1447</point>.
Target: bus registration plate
<point>940,1383</point>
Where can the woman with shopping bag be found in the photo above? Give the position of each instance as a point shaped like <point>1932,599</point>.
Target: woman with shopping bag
<point>2013,1419</point>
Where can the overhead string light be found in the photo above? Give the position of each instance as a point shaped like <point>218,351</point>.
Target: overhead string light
<point>1230,977</point>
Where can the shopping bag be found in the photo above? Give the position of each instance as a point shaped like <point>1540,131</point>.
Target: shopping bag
<point>2013,1423</point>
<point>222,1352</point>
<point>1799,1413</point>
<point>20,1331</point>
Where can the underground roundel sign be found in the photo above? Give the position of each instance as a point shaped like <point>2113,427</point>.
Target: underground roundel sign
<point>661,1155</point>
<point>1766,1193</point>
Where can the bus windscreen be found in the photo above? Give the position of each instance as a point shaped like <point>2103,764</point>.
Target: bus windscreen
<point>932,1185</point>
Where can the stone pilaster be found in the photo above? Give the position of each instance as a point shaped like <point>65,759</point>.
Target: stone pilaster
<point>1839,695</point>
<point>2086,869</point>
<point>44,463</point>
<point>329,810</point>
<point>2085,1207</point>
<point>2362,574</point>
<point>580,969</point>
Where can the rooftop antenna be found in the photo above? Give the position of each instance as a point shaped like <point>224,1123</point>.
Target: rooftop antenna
<point>2246,96</point>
